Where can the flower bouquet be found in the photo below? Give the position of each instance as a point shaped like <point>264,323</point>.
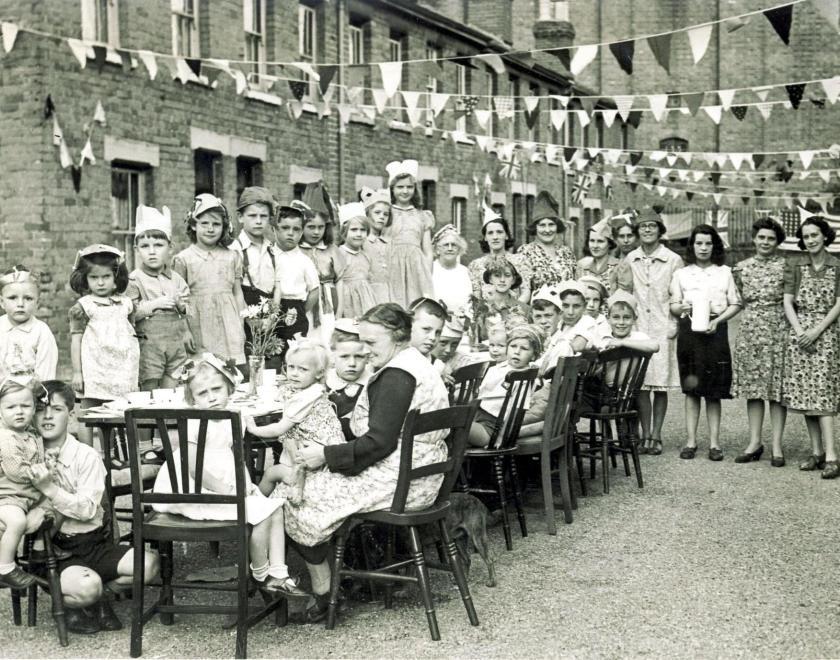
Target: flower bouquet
<point>263,320</point>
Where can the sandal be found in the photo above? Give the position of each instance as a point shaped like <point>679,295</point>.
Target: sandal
<point>688,453</point>
<point>656,449</point>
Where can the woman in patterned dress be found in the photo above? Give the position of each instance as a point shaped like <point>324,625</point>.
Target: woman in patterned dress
<point>544,261</point>
<point>760,348</point>
<point>599,262</point>
<point>811,382</point>
<point>496,241</point>
<point>361,474</point>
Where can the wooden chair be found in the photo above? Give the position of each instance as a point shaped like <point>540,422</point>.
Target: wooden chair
<point>458,420</point>
<point>609,392</point>
<point>52,583</point>
<point>166,528</point>
<point>554,440</point>
<point>501,449</point>
<point>466,381</point>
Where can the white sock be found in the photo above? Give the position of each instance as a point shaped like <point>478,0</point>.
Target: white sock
<point>5,569</point>
<point>279,571</point>
<point>260,572</point>
<point>320,574</point>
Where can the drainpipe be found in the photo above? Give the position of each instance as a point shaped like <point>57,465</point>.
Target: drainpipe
<point>341,12</point>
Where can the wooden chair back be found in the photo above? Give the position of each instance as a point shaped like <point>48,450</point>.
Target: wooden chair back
<point>615,379</point>
<point>561,397</point>
<point>466,381</point>
<point>177,466</point>
<point>506,430</point>
<point>457,421</point>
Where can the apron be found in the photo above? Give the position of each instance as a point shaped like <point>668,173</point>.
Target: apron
<point>110,351</point>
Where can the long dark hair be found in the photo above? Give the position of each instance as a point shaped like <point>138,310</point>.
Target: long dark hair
<point>718,252</point>
<point>509,241</point>
<point>818,221</point>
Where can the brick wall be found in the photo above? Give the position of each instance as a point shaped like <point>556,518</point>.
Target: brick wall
<point>43,221</point>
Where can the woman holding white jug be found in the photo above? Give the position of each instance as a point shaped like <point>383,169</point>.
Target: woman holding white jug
<point>704,298</point>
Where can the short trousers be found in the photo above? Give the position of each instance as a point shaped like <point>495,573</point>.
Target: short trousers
<point>19,502</point>
<point>162,350</point>
<point>94,550</point>
<point>485,419</point>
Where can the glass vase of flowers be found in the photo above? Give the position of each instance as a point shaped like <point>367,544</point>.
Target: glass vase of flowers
<point>263,319</point>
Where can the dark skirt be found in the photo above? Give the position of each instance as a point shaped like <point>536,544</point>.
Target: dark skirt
<point>704,361</point>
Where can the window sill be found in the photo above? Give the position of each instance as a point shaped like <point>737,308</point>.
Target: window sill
<point>359,118</point>
<point>309,107</point>
<point>263,97</point>
<point>396,125</point>
<point>111,54</point>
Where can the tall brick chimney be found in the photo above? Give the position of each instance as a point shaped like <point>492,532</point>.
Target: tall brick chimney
<point>493,16</point>
<point>553,29</point>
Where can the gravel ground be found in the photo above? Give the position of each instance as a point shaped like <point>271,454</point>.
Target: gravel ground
<point>708,560</point>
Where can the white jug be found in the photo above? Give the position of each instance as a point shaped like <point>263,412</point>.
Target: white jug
<point>700,312</point>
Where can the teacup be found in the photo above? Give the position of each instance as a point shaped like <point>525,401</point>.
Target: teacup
<point>139,398</point>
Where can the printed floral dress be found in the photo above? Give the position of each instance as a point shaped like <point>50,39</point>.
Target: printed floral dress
<point>330,497</point>
<point>411,270</point>
<point>758,359</point>
<point>811,382</point>
<point>539,268</point>
<point>316,420</point>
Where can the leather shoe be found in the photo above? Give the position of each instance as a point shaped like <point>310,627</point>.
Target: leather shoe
<point>831,470</point>
<point>285,586</point>
<point>813,463</point>
<point>108,619</point>
<point>17,579</point>
<point>777,461</point>
<point>80,622</point>
<point>747,456</point>
<point>715,454</point>
<point>688,453</point>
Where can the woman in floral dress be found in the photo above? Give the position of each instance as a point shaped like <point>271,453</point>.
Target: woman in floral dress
<point>361,474</point>
<point>496,241</point>
<point>759,353</point>
<point>811,382</point>
<point>543,260</point>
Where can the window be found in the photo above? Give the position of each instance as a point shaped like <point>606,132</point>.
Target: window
<point>395,54</point>
<point>307,43</point>
<point>128,190</point>
<point>673,144</point>
<point>101,21</point>
<point>599,130</point>
<point>460,90</point>
<point>428,191</point>
<point>459,213</point>
<point>208,172</point>
<point>553,10</point>
<point>571,130</point>
<point>625,136</point>
<point>513,123</point>
<point>492,86</point>
<point>185,28</point>
<point>297,190</point>
<point>356,54</point>
<point>519,210</point>
<point>249,172</point>
<point>534,133</point>
<point>433,54</point>
<point>254,24</point>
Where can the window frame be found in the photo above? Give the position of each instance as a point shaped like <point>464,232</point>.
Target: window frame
<point>308,22</point>
<point>122,228</point>
<point>458,212</point>
<point>356,44</point>
<point>181,17</point>
<point>93,24</point>
<point>492,83</point>
<point>396,46</point>
<point>461,85</point>
<point>255,41</point>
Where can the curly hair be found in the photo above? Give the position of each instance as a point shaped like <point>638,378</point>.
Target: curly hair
<point>509,241</point>
<point>718,252</point>
<point>393,318</point>
<point>62,390</point>
<point>773,225</point>
<point>227,227</point>
<point>500,266</point>
<point>78,278</point>
<point>825,229</point>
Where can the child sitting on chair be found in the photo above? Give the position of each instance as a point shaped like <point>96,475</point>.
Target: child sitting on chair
<point>596,299</point>
<point>209,384</point>
<point>524,343</point>
<point>349,373</point>
<point>497,343</point>
<point>308,418</point>
<point>574,331</point>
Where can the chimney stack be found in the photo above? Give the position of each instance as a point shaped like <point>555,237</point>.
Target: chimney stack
<point>553,29</point>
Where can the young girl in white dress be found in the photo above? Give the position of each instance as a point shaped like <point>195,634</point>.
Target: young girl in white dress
<point>308,418</point>
<point>209,384</point>
<point>378,245</point>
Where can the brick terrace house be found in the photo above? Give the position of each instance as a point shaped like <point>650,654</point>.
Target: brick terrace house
<point>165,140</point>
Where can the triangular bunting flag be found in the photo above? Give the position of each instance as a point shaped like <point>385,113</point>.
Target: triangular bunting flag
<point>710,158</point>
<point>149,61</point>
<point>354,94</point>
<point>830,11</point>
<point>80,51</point>
<point>608,116</point>
<point>635,157</point>
<point>664,172</point>
<point>307,69</point>
<point>623,53</point>
<point>660,46</point>
<point>531,118</point>
<point>354,75</point>
<point>831,86</point>
<point>504,106</point>
<point>715,178</point>
<point>391,73</point>
<point>583,118</point>
<point>326,73</point>
<point>717,197</point>
<point>624,104</point>
<point>76,174</point>
<point>295,108</point>
<point>726,97</point>
<point>58,134</point>
<point>612,156</point>
<point>10,33</point>
<point>558,117</point>
<point>195,65</point>
<point>757,160</point>
<point>671,159</point>
<point>412,99</point>
<point>765,109</point>
<point>87,154</point>
<point>483,141</point>
<point>740,111</point>
<point>242,82</point>
<point>582,58</point>
<point>781,18</point>
<point>689,195</point>
<point>493,61</point>
<point>99,55</point>
<point>658,102</point>
<point>825,175</point>
<point>587,103</point>
<point>795,94</point>
<point>531,103</point>
<point>482,117</point>
<point>437,102</point>
<point>185,73</point>
<point>345,111</point>
<point>693,102</point>
<point>806,157</point>
<point>714,111</point>
<point>99,114</point>
<point>569,153</point>
<point>737,159</point>
<point>551,151</point>
<point>380,99</point>
<point>657,155</point>
<point>761,92</point>
<point>64,155</point>
<point>629,169</point>
<point>298,88</point>
<point>698,39</point>
<point>686,157</point>
<point>696,175</point>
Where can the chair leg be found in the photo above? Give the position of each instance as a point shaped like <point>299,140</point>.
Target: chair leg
<point>389,559</point>
<point>548,492</point>
<point>423,581</point>
<point>579,466</point>
<point>167,569</point>
<point>634,453</point>
<point>454,561</point>
<point>517,496</point>
<point>32,606</point>
<point>55,591</point>
<point>500,489</point>
<point>565,487</point>
<point>570,469</point>
<point>138,578</point>
<point>335,578</point>
<point>242,600</point>
<point>16,615</point>
<point>605,457</point>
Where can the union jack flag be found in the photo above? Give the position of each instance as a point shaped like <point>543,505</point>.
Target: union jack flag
<point>580,187</point>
